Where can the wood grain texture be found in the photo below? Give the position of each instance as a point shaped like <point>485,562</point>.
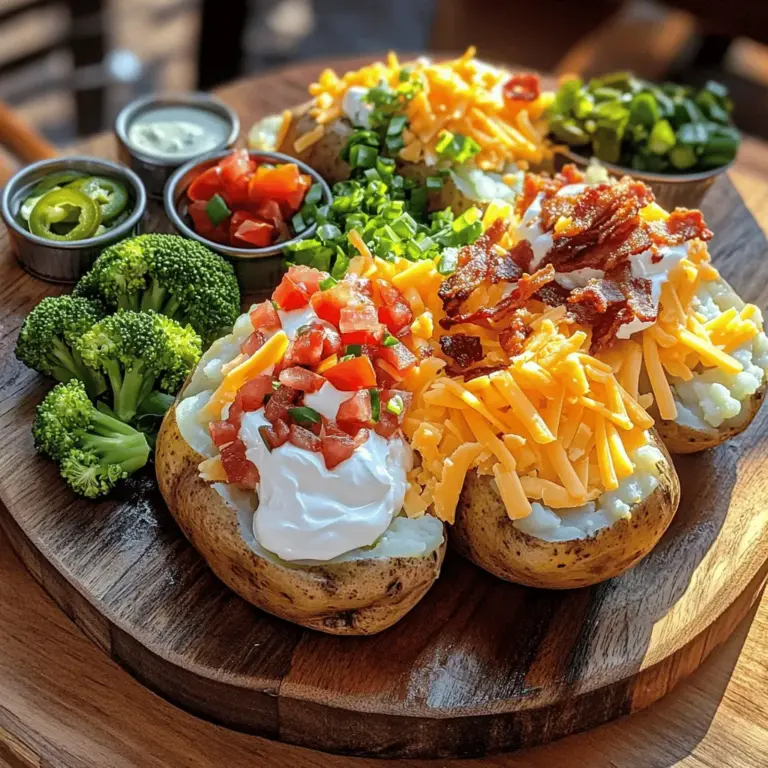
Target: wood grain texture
<point>478,666</point>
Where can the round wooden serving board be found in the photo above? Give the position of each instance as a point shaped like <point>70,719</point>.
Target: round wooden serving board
<point>478,666</point>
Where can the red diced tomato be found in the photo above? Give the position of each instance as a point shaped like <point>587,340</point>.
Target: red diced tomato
<point>372,338</point>
<point>222,432</point>
<point>236,410</point>
<point>203,225</point>
<point>387,425</point>
<point>384,379</point>
<point>337,448</point>
<point>361,437</point>
<point>264,316</point>
<point>332,343</point>
<point>206,185</point>
<point>303,438</point>
<point>309,277</point>
<point>355,413</point>
<point>253,232</point>
<point>253,392</point>
<point>269,211</point>
<point>279,403</point>
<point>253,343</point>
<point>239,470</point>
<point>281,183</point>
<point>305,349</point>
<point>277,433</point>
<point>359,317</point>
<point>328,304</point>
<point>290,295</point>
<point>360,285</point>
<point>302,379</point>
<point>353,374</point>
<point>396,312</point>
<point>398,356</point>
<point>406,397</point>
<point>235,174</point>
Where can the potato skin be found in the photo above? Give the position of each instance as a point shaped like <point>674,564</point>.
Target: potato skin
<point>359,597</point>
<point>484,534</point>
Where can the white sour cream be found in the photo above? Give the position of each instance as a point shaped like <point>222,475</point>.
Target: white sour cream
<point>355,108</point>
<point>326,400</point>
<point>307,512</point>
<point>295,318</point>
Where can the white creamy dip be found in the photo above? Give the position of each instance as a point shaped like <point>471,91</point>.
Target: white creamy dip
<point>294,319</point>
<point>327,399</point>
<point>354,106</point>
<point>308,512</point>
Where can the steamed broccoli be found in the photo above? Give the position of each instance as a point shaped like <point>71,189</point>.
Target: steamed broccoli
<point>94,450</point>
<point>140,352</point>
<point>179,278</point>
<point>47,338</point>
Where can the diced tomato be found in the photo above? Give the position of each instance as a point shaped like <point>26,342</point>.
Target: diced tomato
<point>203,225</point>
<point>328,304</point>
<point>305,349</point>
<point>361,437</point>
<point>239,470</point>
<point>206,185</point>
<point>281,183</point>
<point>269,211</point>
<point>361,285</point>
<point>309,277</point>
<point>222,432</point>
<point>264,316</point>
<point>280,402</point>
<point>236,410</point>
<point>355,413</point>
<point>406,397</point>
<point>253,343</point>
<point>398,356</point>
<point>396,312</point>
<point>372,338</point>
<point>303,438</point>
<point>253,392</point>
<point>360,317</point>
<point>277,433</point>
<point>302,379</point>
<point>332,343</point>
<point>290,295</point>
<point>251,231</point>
<point>387,424</point>
<point>337,448</point>
<point>384,379</point>
<point>353,374</point>
<point>236,172</point>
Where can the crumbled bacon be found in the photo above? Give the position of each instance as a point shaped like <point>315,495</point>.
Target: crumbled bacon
<point>682,225</point>
<point>534,183</point>
<point>509,267</point>
<point>523,87</point>
<point>474,263</point>
<point>513,336</point>
<point>480,370</point>
<point>526,287</point>
<point>462,348</point>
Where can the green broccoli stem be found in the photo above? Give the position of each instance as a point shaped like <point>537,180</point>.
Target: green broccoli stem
<point>71,366</point>
<point>153,297</point>
<point>129,452</point>
<point>106,425</point>
<point>135,386</point>
<point>156,403</point>
<point>130,301</point>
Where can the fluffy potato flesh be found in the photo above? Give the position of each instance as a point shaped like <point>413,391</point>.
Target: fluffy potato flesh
<point>484,534</point>
<point>359,596</point>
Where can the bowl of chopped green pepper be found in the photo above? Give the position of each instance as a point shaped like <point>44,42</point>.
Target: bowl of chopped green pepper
<point>62,213</point>
<point>676,138</point>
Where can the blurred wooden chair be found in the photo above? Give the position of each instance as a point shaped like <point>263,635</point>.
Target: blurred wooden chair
<point>20,143</point>
<point>83,37</point>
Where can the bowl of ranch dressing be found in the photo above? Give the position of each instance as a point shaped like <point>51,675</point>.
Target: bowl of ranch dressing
<point>157,134</point>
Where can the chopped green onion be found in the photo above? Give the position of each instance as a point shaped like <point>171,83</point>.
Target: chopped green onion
<point>298,223</point>
<point>375,404</point>
<point>443,142</point>
<point>353,350</point>
<point>304,415</point>
<point>276,385</point>
<point>396,405</point>
<point>394,143</point>
<point>217,210</point>
<point>662,138</point>
<point>329,282</point>
<point>397,125</point>
<point>328,232</point>
<point>434,182</point>
<point>345,358</point>
<point>362,156</point>
<point>449,260</point>
<point>314,196</point>
<point>302,329</point>
<point>275,304</point>
<point>390,341</point>
<point>264,436</point>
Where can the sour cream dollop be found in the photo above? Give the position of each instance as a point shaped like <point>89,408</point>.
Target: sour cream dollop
<point>354,106</point>
<point>308,512</point>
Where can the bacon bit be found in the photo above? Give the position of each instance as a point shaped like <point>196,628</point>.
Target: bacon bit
<point>526,287</point>
<point>522,255</point>
<point>476,373</point>
<point>682,225</point>
<point>462,348</point>
<point>548,185</point>
<point>513,338</point>
<point>523,87</point>
<point>280,402</point>
<point>509,267</point>
<point>474,263</point>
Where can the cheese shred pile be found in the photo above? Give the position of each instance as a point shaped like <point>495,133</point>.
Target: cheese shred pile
<point>462,96</point>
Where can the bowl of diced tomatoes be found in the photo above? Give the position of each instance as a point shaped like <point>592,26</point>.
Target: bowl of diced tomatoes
<point>241,205</point>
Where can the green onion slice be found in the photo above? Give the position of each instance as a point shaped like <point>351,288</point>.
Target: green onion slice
<point>304,415</point>
<point>217,210</point>
<point>375,404</point>
<point>396,405</point>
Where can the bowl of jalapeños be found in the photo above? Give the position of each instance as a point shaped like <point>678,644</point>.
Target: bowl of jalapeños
<point>62,213</point>
<point>676,138</point>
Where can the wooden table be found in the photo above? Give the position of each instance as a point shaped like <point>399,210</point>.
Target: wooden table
<point>62,703</point>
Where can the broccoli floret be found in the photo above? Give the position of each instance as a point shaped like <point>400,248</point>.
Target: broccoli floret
<point>94,450</point>
<point>176,277</point>
<point>47,338</point>
<point>140,352</point>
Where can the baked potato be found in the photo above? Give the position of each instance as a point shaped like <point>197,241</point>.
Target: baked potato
<point>484,533</point>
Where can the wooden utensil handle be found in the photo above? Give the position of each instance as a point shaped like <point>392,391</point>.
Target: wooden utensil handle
<point>21,138</point>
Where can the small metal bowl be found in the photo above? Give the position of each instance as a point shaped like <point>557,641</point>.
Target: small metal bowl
<point>153,170</point>
<point>66,262</point>
<point>686,190</point>
<point>258,269</point>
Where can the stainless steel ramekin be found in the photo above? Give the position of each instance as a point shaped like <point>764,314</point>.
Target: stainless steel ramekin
<point>258,269</point>
<point>152,170</point>
<point>685,190</point>
<point>62,262</point>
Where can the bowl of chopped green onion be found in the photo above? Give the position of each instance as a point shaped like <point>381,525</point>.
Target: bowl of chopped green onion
<point>676,138</point>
